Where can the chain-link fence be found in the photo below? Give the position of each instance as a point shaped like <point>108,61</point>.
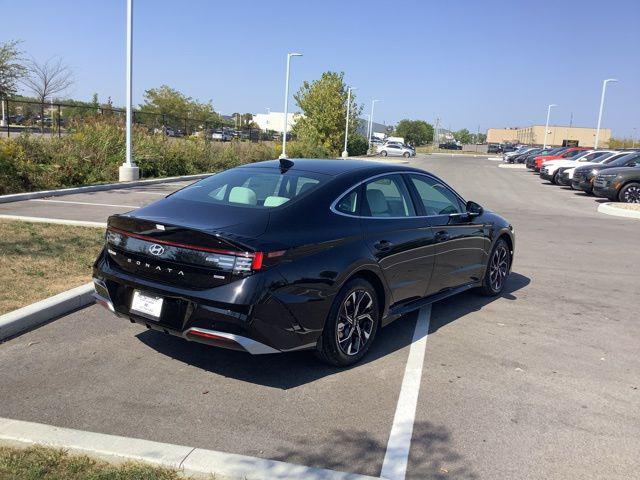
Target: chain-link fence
<point>57,119</point>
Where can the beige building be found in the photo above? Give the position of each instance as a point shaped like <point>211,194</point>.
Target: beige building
<point>556,135</point>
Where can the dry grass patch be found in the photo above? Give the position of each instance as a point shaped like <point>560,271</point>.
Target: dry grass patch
<point>38,260</point>
<point>40,463</point>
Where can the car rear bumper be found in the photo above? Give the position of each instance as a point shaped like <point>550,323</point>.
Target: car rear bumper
<point>244,315</point>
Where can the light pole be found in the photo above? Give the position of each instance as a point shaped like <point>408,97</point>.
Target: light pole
<point>286,105</point>
<point>604,89</point>
<point>128,170</point>
<point>373,104</point>
<point>3,120</point>
<point>546,126</point>
<point>345,153</point>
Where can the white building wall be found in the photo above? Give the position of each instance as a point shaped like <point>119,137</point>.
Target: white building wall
<point>275,120</point>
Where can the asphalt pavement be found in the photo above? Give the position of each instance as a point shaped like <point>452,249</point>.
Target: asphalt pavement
<point>541,382</point>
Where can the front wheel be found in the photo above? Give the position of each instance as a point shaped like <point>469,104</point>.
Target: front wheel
<point>497,270</point>
<point>405,154</point>
<point>630,193</point>
<point>351,325</point>
<point>383,153</point>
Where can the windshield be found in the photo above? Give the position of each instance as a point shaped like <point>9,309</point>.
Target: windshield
<point>621,161</point>
<point>252,187</point>
<point>572,154</point>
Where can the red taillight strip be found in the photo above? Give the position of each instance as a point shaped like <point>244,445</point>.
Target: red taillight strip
<point>182,245</point>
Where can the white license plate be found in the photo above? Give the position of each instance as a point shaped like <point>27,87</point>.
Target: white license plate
<point>148,305</point>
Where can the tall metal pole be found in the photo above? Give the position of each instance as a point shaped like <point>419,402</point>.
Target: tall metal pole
<point>3,120</point>
<point>604,89</point>
<point>546,125</point>
<point>129,170</point>
<point>345,153</point>
<point>373,104</point>
<point>286,105</point>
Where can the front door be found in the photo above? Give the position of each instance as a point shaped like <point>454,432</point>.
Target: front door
<point>460,240</point>
<point>401,242</point>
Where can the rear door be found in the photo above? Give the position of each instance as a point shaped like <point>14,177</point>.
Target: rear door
<point>460,239</point>
<point>401,241</point>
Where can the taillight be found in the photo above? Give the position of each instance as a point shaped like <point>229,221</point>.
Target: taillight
<point>256,264</point>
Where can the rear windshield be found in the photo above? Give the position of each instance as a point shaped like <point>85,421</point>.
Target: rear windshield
<point>252,187</point>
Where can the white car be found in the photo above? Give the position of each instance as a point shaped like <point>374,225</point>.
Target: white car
<point>396,150</point>
<point>549,169</point>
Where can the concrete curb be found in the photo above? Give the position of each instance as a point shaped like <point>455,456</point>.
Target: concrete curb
<point>59,221</point>
<point>192,461</point>
<point>514,166</point>
<point>612,209</point>
<point>36,314</point>
<point>16,197</point>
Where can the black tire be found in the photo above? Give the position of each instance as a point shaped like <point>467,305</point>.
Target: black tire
<point>406,154</point>
<point>357,295</point>
<point>630,193</point>
<point>499,254</point>
<point>383,153</point>
<point>554,179</point>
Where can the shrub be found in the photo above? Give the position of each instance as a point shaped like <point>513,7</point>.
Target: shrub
<point>92,152</point>
<point>357,145</point>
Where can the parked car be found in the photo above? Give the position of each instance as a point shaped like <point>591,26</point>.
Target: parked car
<point>565,154</point>
<point>564,174</point>
<point>583,177</point>
<point>620,184</point>
<point>550,169</point>
<point>530,160</point>
<point>450,146</point>
<point>221,136</point>
<point>494,148</point>
<point>288,255</point>
<point>395,150</point>
<point>510,156</point>
<point>521,157</point>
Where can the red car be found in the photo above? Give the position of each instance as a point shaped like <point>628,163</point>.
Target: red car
<point>568,153</point>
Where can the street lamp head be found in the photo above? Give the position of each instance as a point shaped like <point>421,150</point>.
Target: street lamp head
<point>611,80</point>
<point>295,54</point>
<point>553,105</point>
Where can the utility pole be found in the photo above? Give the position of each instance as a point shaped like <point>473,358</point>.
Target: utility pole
<point>128,170</point>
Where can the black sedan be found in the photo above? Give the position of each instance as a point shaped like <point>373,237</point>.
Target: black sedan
<point>306,254</point>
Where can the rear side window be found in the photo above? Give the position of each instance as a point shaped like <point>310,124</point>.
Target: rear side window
<point>253,187</point>
<point>349,203</point>
<point>388,197</point>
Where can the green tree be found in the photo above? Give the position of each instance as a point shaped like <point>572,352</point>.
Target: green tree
<point>11,67</point>
<point>324,106</point>
<point>463,136</point>
<point>168,101</point>
<point>415,132</point>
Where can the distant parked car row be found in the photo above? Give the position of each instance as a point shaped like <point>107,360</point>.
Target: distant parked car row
<point>450,146</point>
<point>611,174</point>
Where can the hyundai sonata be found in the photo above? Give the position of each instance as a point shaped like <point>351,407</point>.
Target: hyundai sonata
<point>305,254</point>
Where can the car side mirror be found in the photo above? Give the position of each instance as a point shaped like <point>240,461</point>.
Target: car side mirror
<point>474,209</point>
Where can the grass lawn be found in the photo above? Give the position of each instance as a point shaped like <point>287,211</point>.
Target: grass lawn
<point>38,260</point>
<point>40,463</point>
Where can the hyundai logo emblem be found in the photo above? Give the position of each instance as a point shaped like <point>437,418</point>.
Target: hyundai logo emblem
<point>156,249</point>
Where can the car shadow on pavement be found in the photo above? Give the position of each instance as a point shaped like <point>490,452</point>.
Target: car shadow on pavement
<point>290,370</point>
<point>452,308</point>
<point>431,455</point>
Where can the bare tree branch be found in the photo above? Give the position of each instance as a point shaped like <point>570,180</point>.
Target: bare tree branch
<point>47,79</point>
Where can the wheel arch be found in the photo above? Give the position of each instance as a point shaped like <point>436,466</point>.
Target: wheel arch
<point>378,285</point>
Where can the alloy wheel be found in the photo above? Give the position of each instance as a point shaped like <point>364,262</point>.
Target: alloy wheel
<point>355,322</point>
<point>632,195</point>
<point>498,268</point>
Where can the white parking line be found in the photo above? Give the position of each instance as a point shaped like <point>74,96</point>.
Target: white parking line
<point>396,457</point>
<point>82,203</point>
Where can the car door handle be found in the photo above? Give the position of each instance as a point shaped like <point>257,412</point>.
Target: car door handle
<point>442,236</point>
<point>383,245</point>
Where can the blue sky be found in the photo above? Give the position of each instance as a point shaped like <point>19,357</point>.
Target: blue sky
<point>471,63</point>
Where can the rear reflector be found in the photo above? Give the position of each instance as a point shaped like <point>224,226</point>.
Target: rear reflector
<point>215,340</point>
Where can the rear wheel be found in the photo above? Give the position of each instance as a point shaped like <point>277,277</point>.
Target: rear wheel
<point>351,325</point>
<point>383,153</point>
<point>405,154</point>
<point>630,193</point>
<point>497,270</point>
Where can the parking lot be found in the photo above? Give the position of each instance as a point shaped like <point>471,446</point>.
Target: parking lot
<point>541,382</point>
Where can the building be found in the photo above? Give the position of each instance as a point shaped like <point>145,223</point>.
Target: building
<point>275,120</point>
<point>556,135</point>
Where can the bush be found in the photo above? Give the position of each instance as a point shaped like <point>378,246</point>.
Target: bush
<point>357,145</point>
<point>299,149</point>
<point>93,151</point>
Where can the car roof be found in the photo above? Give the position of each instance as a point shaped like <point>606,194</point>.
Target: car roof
<point>334,166</point>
